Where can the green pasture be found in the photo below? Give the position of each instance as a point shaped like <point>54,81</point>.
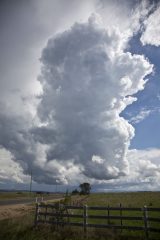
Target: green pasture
<point>132,199</point>
<point>127,199</point>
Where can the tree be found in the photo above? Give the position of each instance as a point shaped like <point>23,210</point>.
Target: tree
<point>75,191</point>
<point>85,188</point>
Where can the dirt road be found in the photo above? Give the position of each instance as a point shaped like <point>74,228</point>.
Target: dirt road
<point>19,207</point>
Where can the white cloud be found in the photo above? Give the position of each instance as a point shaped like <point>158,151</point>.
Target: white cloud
<point>145,165</point>
<point>144,174</point>
<point>126,16</point>
<point>151,34</point>
<point>143,114</point>
<point>158,96</point>
<point>10,170</point>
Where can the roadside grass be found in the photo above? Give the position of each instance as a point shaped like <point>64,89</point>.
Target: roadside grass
<point>22,229</point>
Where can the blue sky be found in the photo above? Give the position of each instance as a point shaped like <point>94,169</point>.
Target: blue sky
<point>147,130</point>
<point>74,102</point>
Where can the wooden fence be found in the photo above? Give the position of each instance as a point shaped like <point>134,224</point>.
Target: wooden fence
<point>85,216</point>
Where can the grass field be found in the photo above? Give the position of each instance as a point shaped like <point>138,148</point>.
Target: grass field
<point>19,195</point>
<point>21,228</point>
<point>15,195</point>
<point>132,199</point>
<point>136,199</point>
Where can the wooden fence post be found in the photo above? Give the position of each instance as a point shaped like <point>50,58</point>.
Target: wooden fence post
<point>46,208</point>
<point>120,205</point>
<point>36,214</point>
<point>145,218</point>
<point>85,215</point>
<point>108,216</point>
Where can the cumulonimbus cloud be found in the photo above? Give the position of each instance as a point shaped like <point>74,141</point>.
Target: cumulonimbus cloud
<point>87,82</point>
<point>88,79</point>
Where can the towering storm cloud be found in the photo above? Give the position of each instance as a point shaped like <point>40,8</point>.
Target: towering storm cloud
<point>67,79</point>
<point>87,79</point>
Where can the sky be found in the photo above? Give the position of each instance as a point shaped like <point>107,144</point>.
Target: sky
<point>80,94</point>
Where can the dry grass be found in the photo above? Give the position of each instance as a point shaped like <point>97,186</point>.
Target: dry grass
<point>14,211</point>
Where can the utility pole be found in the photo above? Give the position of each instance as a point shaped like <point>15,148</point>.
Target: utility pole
<point>56,187</point>
<point>30,188</point>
